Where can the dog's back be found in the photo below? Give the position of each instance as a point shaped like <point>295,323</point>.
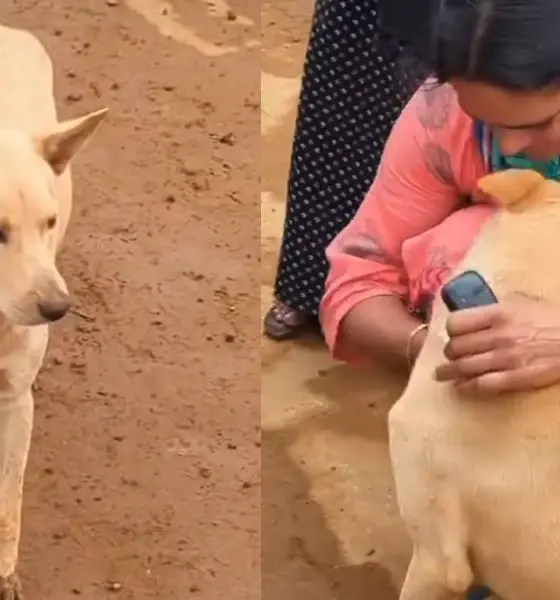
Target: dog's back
<point>477,479</point>
<point>26,77</point>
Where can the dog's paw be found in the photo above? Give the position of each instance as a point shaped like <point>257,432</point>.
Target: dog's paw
<point>10,588</point>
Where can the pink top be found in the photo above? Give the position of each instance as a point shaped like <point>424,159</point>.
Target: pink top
<point>415,224</point>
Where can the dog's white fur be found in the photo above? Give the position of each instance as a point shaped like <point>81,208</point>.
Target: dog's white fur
<point>35,206</point>
<point>478,480</point>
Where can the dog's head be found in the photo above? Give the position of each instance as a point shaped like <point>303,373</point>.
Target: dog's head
<point>32,291</point>
<point>519,189</point>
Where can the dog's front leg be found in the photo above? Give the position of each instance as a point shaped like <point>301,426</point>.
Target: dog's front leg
<point>16,423</point>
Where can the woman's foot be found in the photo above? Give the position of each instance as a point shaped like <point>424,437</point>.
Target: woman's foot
<point>284,323</point>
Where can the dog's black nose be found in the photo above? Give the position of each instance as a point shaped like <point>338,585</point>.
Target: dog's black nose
<point>53,310</point>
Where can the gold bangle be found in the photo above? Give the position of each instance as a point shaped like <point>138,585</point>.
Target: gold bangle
<point>411,338</point>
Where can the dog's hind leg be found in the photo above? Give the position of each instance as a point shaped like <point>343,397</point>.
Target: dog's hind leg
<point>428,579</point>
<point>16,422</point>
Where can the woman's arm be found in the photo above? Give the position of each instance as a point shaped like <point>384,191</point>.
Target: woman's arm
<point>364,312</point>
<point>382,327</point>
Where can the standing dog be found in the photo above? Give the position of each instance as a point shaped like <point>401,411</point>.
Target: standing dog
<point>35,205</point>
<point>478,479</point>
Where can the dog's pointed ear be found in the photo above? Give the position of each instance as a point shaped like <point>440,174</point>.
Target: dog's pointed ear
<point>511,187</point>
<point>59,147</point>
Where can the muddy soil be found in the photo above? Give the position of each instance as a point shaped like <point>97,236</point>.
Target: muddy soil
<point>144,474</point>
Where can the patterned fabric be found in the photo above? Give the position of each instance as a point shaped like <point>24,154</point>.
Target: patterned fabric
<point>354,88</point>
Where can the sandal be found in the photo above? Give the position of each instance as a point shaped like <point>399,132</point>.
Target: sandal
<point>284,323</point>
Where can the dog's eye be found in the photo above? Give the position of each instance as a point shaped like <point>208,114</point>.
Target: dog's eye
<point>51,222</point>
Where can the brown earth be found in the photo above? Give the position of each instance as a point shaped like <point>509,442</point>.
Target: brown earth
<point>144,475</point>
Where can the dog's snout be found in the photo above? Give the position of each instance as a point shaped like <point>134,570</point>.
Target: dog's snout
<point>53,310</point>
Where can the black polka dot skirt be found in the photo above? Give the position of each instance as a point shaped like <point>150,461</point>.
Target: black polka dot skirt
<point>354,87</point>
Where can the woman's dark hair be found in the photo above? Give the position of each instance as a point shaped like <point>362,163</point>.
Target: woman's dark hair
<point>514,44</point>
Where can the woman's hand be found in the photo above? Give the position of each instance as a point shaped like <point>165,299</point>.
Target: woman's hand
<point>507,347</point>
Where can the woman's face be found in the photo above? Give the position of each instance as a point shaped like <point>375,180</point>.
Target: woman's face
<point>527,122</point>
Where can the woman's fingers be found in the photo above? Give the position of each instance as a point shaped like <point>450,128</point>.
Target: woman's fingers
<point>479,342</point>
<point>469,344</point>
<point>476,365</point>
<point>472,320</point>
<point>498,382</point>
<point>489,384</point>
<point>495,349</point>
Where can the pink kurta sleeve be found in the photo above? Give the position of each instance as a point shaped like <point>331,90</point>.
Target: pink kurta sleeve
<point>419,183</point>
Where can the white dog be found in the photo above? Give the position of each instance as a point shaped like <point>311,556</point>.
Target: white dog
<point>35,205</point>
<point>478,479</point>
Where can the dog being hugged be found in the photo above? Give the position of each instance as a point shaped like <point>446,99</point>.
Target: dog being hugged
<point>35,203</point>
<point>478,479</point>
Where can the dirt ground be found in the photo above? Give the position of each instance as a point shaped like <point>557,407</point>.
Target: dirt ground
<point>145,468</point>
<point>145,472</point>
<point>330,529</point>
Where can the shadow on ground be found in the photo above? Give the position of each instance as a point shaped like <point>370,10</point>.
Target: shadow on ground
<point>301,557</point>
<point>329,522</point>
